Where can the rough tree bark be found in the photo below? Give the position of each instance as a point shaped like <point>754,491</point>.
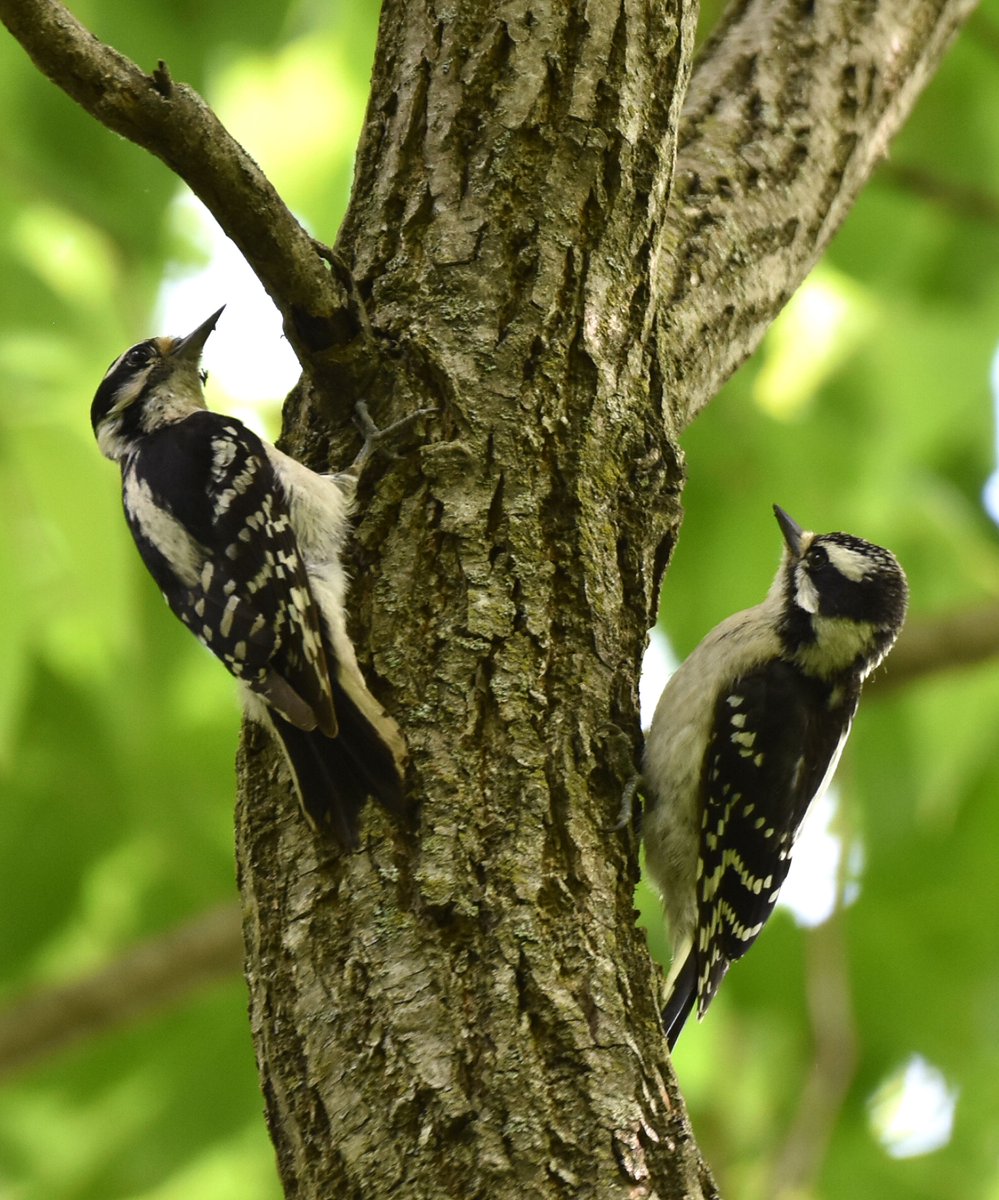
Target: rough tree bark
<point>564,249</point>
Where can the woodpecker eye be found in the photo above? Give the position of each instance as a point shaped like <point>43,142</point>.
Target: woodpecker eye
<point>817,556</point>
<point>138,356</point>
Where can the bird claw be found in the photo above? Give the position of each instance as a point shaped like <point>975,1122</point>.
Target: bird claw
<point>629,811</point>
<point>375,437</point>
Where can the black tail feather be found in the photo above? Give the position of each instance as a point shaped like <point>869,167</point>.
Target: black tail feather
<point>335,776</point>
<point>681,1000</point>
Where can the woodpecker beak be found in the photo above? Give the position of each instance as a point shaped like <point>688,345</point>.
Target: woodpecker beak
<point>190,347</point>
<point>794,535</point>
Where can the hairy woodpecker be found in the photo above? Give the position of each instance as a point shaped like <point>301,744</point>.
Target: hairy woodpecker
<point>747,733</point>
<point>245,543</point>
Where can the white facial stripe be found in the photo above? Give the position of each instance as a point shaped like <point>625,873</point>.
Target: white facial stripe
<point>129,392</point>
<point>806,594</point>
<point>849,563</point>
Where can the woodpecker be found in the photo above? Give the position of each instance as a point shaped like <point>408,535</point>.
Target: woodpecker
<point>746,735</point>
<point>245,544</point>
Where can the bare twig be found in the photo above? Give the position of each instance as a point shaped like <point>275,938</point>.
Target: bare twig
<point>146,979</point>
<point>170,120</point>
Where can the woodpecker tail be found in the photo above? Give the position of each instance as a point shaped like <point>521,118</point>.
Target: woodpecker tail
<point>680,1001</point>
<point>690,982</point>
<point>334,776</point>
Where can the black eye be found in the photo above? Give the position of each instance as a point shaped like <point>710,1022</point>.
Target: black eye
<point>138,356</point>
<point>817,557</point>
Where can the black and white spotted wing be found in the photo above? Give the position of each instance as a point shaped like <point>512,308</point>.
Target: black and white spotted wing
<point>204,490</point>
<point>776,737</point>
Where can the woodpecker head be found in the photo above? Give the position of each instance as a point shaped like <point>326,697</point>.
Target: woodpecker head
<point>842,600</point>
<point>152,384</point>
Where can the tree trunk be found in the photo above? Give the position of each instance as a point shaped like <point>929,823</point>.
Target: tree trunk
<point>467,1010</point>
<point>563,250</point>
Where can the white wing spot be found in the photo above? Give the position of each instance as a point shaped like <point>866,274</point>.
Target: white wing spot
<point>228,615</point>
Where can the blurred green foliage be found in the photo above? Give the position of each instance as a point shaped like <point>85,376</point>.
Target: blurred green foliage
<point>868,408</point>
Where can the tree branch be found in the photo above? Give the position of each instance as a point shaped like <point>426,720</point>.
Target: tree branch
<point>790,106</point>
<point>144,980</point>
<point>171,121</point>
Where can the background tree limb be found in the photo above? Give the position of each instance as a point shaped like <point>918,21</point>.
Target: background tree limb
<point>946,642</point>
<point>146,979</point>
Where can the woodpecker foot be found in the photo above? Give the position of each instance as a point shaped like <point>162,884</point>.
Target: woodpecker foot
<point>374,438</point>
<point>630,811</point>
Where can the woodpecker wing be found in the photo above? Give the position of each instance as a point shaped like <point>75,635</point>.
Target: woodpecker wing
<point>205,488</point>
<point>776,739</point>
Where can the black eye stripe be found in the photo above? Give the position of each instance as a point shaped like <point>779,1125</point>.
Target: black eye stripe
<point>132,360</point>
<point>124,378</point>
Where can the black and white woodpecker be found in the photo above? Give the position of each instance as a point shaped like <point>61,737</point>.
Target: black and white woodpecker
<point>245,545</point>
<point>746,735</point>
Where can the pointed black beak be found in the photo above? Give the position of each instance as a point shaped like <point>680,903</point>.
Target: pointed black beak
<point>190,347</point>
<point>792,531</point>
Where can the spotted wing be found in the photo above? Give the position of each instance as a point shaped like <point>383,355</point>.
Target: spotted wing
<point>211,522</point>
<point>776,738</point>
